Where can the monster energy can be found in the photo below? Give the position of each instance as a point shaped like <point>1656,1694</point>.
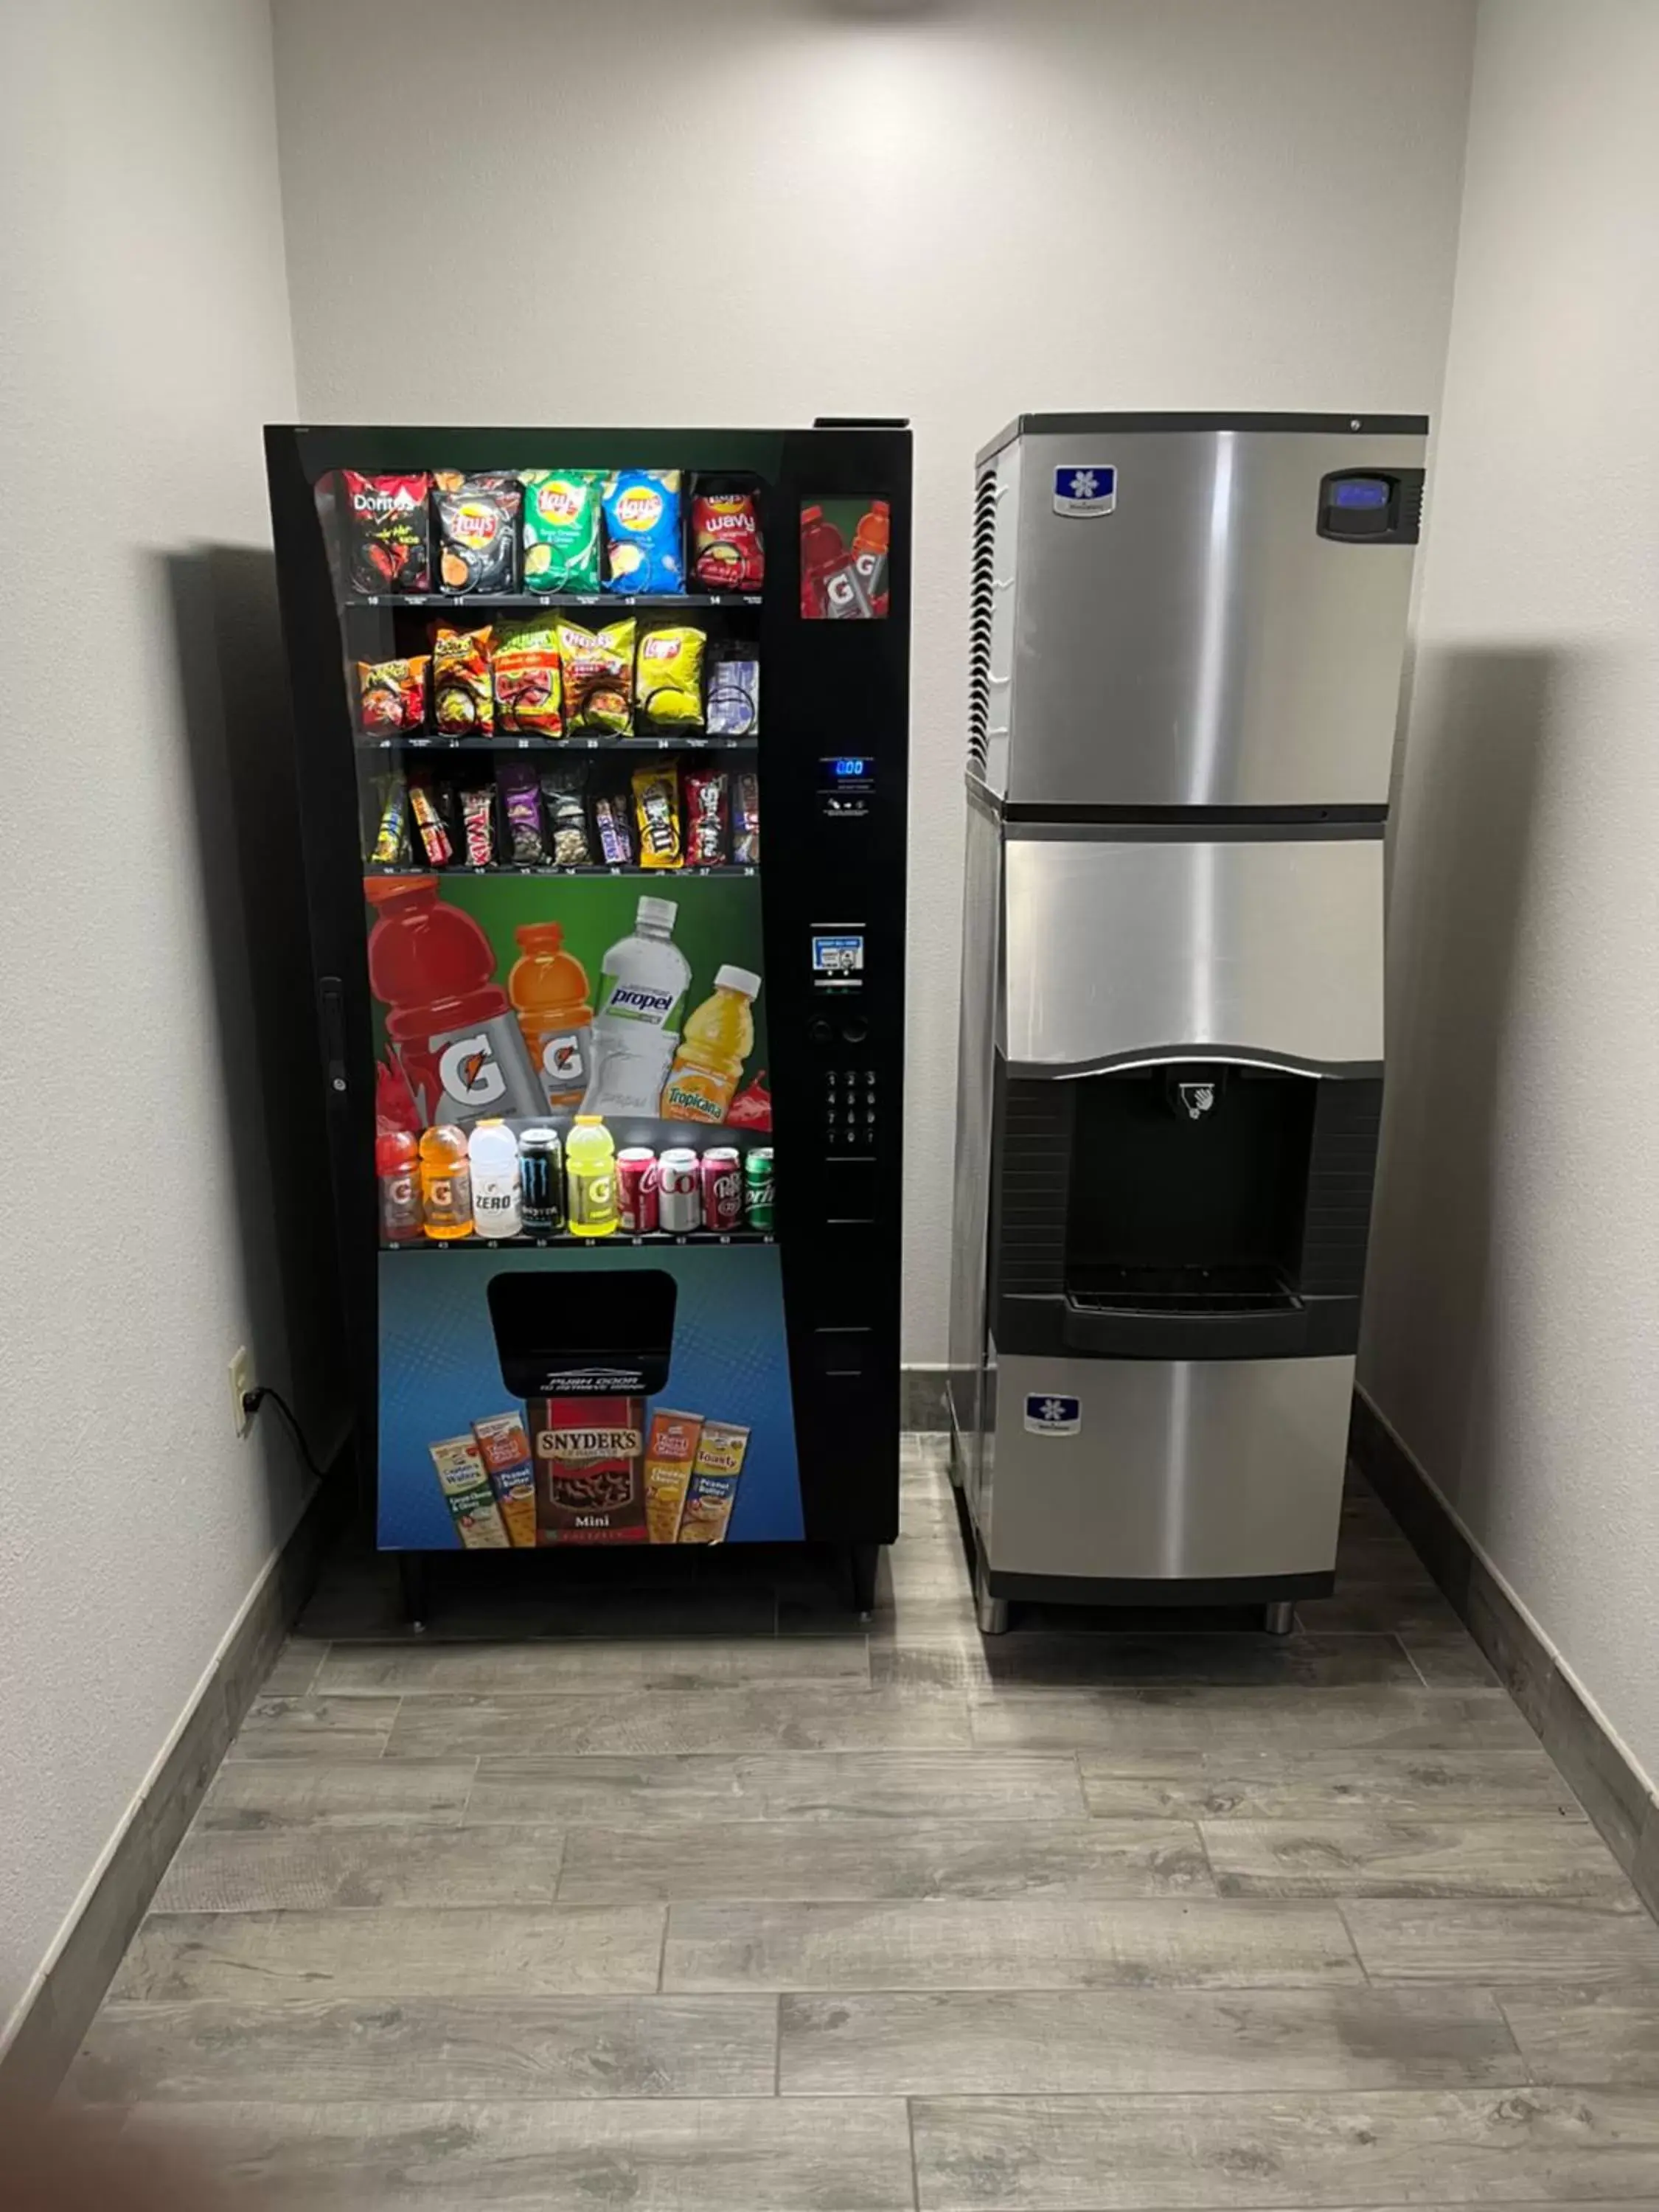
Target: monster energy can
<point>541,1171</point>
<point>758,1188</point>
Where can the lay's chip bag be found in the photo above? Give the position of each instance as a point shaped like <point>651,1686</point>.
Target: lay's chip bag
<point>561,529</point>
<point>644,531</point>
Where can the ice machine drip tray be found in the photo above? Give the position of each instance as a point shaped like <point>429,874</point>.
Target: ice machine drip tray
<point>1190,1289</point>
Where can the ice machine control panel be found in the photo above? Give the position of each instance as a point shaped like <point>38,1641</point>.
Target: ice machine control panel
<point>1371,507</point>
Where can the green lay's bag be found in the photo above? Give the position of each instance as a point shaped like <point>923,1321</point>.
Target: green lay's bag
<point>561,529</point>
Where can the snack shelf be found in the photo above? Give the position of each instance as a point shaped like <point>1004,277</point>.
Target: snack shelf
<point>596,868</point>
<point>564,1240</point>
<point>467,602</point>
<point>657,745</point>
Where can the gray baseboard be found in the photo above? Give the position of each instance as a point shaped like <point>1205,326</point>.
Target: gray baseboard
<point>1613,1791</point>
<point>922,1398</point>
<point>39,2054</point>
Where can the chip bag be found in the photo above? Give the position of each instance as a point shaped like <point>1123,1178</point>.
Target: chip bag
<point>597,666</point>
<point>391,695</point>
<point>657,807</point>
<point>726,553</point>
<point>734,691</point>
<point>529,688</point>
<point>642,532</point>
<point>388,532</point>
<point>668,680</point>
<point>521,806</point>
<point>565,805</point>
<point>561,529</point>
<point>478,532</point>
<point>463,702</point>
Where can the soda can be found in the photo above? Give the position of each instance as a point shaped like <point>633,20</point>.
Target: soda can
<point>759,1188</point>
<point>679,1195</point>
<point>637,1191</point>
<point>722,1189</point>
<point>541,1175</point>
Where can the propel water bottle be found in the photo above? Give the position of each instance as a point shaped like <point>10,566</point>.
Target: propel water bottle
<point>642,992</point>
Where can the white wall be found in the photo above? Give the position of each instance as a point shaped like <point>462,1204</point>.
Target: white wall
<point>1515,1288</point>
<point>956,213</point>
<point>146,336</point>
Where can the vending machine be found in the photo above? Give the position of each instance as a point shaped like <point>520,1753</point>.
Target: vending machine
<point>602,754</point>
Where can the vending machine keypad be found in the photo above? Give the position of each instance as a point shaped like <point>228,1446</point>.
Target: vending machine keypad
<point>849,1109</point>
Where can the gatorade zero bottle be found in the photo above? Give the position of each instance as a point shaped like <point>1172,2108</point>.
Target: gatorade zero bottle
<point>549,988</point>
<point>457,1039</point>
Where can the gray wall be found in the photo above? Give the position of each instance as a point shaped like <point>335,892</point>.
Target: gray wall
<point>765,209</point>
<point>147,336</point>
<point>1510,1327</point>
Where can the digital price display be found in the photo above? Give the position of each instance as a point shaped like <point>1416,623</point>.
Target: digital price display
<point>845,783</point>
<point>838,959</point>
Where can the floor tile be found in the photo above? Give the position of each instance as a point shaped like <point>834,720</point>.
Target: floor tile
<point>1609,2031</point>
<point>968,1660</point>
<point>1277,1785</point>
<point>1050,2042</point>
<point>400,1952</point>
<point>303,1870</point>
<point>304,2051</point>
<point>852,1860</point>
<point>258,1793</point>
<point>294,1668</point>
<point>648,1721</point>
<point>595,1665</point>
<point>1407,1858</point>
<point>1429,1941</point>
<point>312,1727</point>
<point>772,2155</point>
<point>1387,2146</point>
<point>810,1785</point>
<point>1192,1943</point>
<point>1271,1718</point>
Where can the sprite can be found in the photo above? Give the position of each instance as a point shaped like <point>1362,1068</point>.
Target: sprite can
<point>758,1188</point>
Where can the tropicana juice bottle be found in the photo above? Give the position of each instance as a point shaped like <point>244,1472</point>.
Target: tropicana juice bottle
<point>718,1039</point>
<point>549,986</point>
<point>457,1039</point>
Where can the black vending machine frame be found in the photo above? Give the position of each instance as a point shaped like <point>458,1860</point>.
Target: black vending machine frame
<point>829,688</point>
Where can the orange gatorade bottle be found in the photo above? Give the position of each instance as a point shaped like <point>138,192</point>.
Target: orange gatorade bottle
<point>445,1183</point>
<point>549,989</point>
<point>716,1041</point>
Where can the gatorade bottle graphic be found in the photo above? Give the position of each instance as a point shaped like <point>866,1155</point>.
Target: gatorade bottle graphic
<point>870,544</point>
<point>823,550</point>
<point>456,1037</point>
<point>642,988</point>
<point>719,1037</point>
<point>549,986</point>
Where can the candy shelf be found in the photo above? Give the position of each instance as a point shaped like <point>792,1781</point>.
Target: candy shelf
<point>598,868</point>
<point>484,744</point>
<point>564,1240</point>
<point>455,603</point>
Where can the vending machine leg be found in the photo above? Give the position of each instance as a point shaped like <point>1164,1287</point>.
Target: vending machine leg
<point>865,1562</point>
<point>412,1574</point>
<point>1280,1619</point>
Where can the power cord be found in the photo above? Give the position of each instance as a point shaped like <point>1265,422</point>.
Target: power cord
<point>251,1402</point>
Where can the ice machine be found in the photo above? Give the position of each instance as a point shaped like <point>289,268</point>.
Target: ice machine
<point>1187,633</point>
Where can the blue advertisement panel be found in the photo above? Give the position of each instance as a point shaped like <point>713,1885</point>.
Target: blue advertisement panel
<point>616,1394</point>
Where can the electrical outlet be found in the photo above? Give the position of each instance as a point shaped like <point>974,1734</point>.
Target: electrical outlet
<point>241,1381</point>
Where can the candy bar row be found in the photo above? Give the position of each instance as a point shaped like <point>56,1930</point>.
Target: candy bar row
<point>572,814</point>
<point>552,679</point>
<point>544,530</point>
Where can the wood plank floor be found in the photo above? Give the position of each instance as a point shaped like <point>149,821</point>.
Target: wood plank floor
<point>659,1899</point>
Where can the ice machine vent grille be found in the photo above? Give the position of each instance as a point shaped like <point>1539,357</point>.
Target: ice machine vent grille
<point>979,655</point>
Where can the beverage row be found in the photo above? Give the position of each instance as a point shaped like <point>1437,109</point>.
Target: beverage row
<point>576,814</point>
<point>552,530</point>
<point>464,1047</point>
<point>556,679</point>
<point>497,1184</point>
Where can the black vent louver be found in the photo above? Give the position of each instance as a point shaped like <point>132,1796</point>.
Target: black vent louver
<point>979,651</point>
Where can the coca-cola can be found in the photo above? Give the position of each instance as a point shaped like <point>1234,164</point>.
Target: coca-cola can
<point>722,1189</point>
<point>680,1191</point>
<point>637,1191</point>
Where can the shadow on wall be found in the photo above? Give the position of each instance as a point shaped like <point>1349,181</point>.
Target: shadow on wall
<point>1459,887</point>
<point>233,686</point>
